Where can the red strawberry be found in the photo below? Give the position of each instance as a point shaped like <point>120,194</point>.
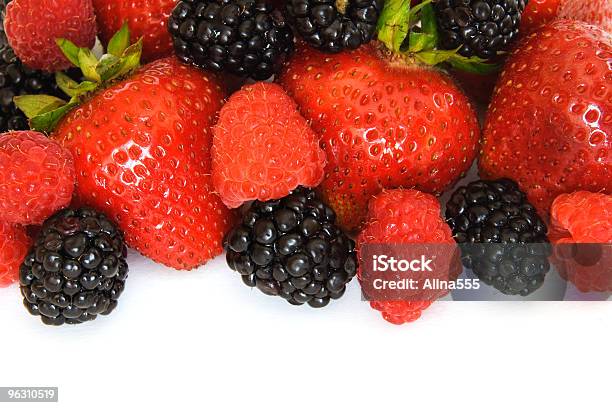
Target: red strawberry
<point>597,12</point>
<point>36,178</point>
<point>263,148</point>
<point>142,153</point>
<point>146,18</point>
<point>409,217</point>
<point>14,246</point>
<point>550,120</point>
<point>32,26</point>
<point>383,125</point>
<point>537,13</point>
<point>583,218</point>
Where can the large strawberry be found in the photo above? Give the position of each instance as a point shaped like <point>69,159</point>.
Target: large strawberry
<point>146,18</point>
<point>549,125</point>
<point>142,149</point>
<point>385,120</point>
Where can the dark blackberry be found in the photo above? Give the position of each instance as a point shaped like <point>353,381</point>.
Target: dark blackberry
<point>292,248</point>
<point>480,27</point>
<point>335,25</point>
<point>77,269</point>
<point>244,37</point>
<point>502,237</point>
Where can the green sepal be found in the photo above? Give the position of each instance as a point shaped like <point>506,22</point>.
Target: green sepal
<point>45,112</point>
<point>427,38</point>
<point>48,121</point>
<point>72,88</point>
<point>131,58</point>
<point>69,49</point>
<point>413,31</point>
<point>88,64</point>
<point>34,105</point>
<point>120,41</point>
<point>393,25</point>
<point>473,65</point>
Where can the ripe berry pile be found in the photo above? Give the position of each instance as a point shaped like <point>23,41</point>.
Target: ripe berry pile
<point>356,126</point>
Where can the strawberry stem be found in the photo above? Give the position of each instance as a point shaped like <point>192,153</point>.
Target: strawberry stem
<point>413,32</point>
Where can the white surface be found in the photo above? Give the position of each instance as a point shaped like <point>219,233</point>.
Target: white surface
<point>204,339</point>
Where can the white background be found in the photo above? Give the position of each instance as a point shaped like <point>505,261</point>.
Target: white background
<point>202,338</point>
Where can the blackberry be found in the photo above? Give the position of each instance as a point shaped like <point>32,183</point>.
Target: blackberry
<point>502,237</point>
<point>335,25</point>
<point>292,248</point>
<point>77,269</point>
<point>480,27</point>
<point>244,37</point>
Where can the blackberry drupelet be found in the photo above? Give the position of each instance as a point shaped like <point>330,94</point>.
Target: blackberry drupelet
<point>248,38</point>
<point>502,237</point>
<point>77,269</point>
<point>335,25</point>
<point>292,248</point>
<point>480,27</point>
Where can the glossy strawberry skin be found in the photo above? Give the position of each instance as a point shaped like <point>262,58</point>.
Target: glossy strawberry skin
<point>142,155</point>
<point>381,125</point>
<point>537,13</point>
<point>146,18</point>
<point>549,125</point>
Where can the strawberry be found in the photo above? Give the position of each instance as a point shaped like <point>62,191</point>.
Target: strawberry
<point>537,13</point>
<point>263,148</point>
<point>32,26</point>
<point>597,12</point>
<point>141,148</point>
<point>549,124</point>
<point>383,124</point>
<point>146,18</point>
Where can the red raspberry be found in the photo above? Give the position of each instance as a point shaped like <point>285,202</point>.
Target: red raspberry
<point>407,216</point>
<point>14,246</point>
<point>263,148</point>
<point>32,27</point>
<point>37,177</point>
<point>583,218</point>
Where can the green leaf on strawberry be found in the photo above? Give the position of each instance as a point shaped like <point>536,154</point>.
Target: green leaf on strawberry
<point>413,31</point>
<point>45,111</point>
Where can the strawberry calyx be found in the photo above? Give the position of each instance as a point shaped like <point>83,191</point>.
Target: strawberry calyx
<point>44,111</point>
<point>412,31</point>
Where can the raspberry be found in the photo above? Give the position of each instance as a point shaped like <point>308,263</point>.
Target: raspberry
<point>37,177</point>
<point>583,218</point>
<point>407,216</point>
<point>596,12</point>
<point>32,27</point>
<point>263,148</point>
<point>14,246</point>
